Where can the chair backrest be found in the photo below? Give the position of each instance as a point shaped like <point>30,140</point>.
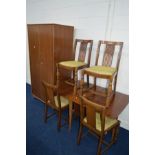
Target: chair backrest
<point>90,113</point>
<point>110,48</point>
<point>109,52</point>
<point>50,93</point>
<point>83,49</point>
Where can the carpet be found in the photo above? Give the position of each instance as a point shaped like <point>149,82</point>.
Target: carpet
<point>44,139</point>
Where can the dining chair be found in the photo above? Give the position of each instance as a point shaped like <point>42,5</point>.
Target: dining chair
<point>56,102</point>
<point>93,116</point>
<point>82,61</point>
<point>106,70</point>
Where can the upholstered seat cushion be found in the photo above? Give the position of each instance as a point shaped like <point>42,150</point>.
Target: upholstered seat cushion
<point>108,122</point>
<point>72,63</point>
<point>64,101</point>
<point>102,70</point>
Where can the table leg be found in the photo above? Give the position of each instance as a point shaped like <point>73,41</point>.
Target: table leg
<point>70,114</point>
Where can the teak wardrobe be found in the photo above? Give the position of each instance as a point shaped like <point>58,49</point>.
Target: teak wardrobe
<point>48,44</point>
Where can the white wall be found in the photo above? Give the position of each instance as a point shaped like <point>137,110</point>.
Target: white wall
<point>92,19</point>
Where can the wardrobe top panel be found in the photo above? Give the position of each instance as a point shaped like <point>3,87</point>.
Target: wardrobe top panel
<point>50,24</point>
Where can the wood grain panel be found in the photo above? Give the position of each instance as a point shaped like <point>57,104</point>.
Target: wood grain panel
<point>46,56</point>
<point>34,55</point>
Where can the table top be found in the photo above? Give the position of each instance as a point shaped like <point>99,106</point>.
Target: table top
<point>118,104</point>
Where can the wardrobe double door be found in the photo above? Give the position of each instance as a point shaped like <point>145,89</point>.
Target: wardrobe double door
<point>48,44</point>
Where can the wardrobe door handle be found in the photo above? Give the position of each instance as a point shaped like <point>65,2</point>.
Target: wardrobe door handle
<point>34,46</point>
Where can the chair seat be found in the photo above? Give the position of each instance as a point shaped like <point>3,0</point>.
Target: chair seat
<point>74,64</point>
<point>109,122</point>
<point>102,70</point>
<point>64,102</point>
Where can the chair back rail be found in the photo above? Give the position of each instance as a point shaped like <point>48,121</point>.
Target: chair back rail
<point>83,49</point>
<point>50,93</point>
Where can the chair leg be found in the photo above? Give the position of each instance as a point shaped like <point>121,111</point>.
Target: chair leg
<point>94,87</point>
<point>45,113</point>
<point>73,73</point>
<point>80,134</point>
<point>108,99</point>
<point>88,81</point>
<point>99,148</point>
<point>59,121</point>
<point>75,82</point>
<point>113,135</point>
<point>70,114</point>
<point>116,132</point>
